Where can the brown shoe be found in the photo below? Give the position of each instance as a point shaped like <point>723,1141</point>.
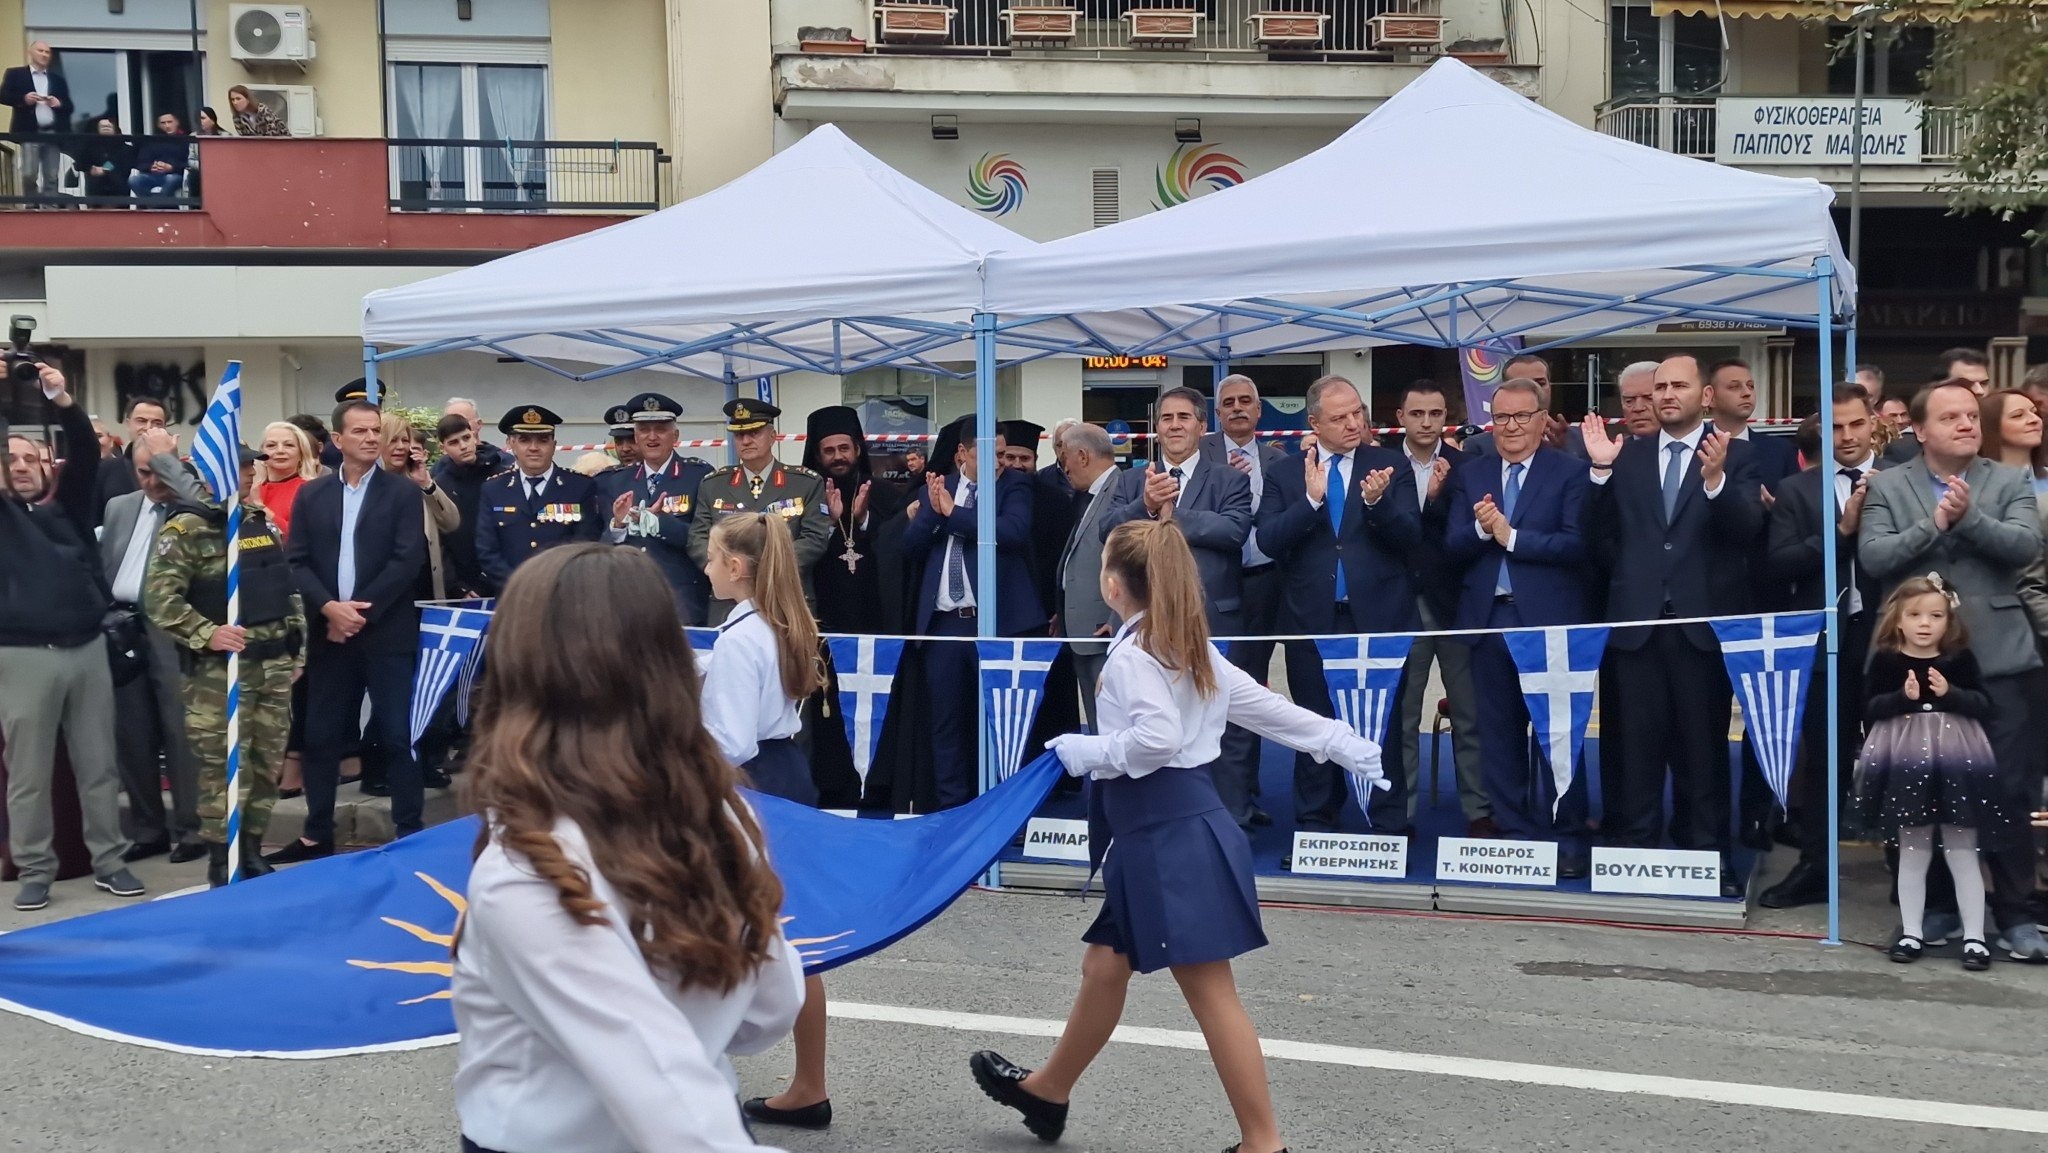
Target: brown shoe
<point>1484,829</point>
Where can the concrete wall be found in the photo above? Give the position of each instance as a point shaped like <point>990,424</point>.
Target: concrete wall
<point>720,94</point>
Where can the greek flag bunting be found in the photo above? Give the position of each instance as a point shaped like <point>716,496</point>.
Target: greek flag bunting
<point>1770,663</point>
<point>1364,677</point>
<point>450,638</point>
<point>466,684</point>
<point>1012,683</point>
<point>865,667</point>
<point>1560,669</point>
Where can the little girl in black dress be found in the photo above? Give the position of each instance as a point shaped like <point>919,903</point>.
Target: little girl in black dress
<point>1927,761</point>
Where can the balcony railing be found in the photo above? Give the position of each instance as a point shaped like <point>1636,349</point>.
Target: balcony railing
<point>1686,125</point>
<point>1202,28</point>
<point>526,175</point>
<point>94,170</point>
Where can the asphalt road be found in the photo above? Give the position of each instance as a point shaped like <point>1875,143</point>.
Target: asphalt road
<point>1398,1031</point>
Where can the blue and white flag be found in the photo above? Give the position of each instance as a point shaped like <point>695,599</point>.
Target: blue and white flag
<point>1770,663</point>
<point>1363,674</point>
<point>466,684</point>
<point>217,455</point>
<point>1560,670</point>
<point>702,640</point>
<point>350,954</point>
<point>217,446</point>
<point>866,668</point>
<point>1012,683</point>
<point>449,640</point>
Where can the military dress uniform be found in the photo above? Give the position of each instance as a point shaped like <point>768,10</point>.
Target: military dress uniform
<point>793,493</point>
<point>186,597</point>
<point>517,516</point>
<point>664,503</point>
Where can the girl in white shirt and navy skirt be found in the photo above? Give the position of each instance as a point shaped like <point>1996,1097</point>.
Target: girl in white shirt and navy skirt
<point>765,665</point>
<point>1176,870</point>
<point>622,934</point>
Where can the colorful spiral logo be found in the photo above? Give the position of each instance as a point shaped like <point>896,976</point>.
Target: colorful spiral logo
<point>996,184</point>
<point>1483,364</point>
<point>1191,167</point>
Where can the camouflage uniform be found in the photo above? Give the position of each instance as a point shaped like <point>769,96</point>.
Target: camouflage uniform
<point>186,598</point>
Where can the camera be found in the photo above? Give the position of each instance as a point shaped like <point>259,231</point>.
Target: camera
<point>23,366</point>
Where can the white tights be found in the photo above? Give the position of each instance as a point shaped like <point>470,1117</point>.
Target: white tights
<point>1916,853</point>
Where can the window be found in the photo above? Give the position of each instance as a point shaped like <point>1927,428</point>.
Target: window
<point>501,103</point>
<point>1676,55</point>
<point>130,85</point>
<point>1894,65</point>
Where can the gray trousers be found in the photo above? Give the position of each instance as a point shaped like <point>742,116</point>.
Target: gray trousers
<point>150,718</point>
<point>45,692</point>
<point>1087,671</point>
<point>1455,660</point>
<point>39,167</point>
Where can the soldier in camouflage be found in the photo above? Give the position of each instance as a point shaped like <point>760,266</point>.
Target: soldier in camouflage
<point>186,595</point>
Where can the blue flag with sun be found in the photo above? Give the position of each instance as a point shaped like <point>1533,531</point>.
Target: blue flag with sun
<point>350,954</point>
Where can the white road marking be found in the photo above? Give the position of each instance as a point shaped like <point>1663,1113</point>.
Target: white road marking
<point>1514,1072</point>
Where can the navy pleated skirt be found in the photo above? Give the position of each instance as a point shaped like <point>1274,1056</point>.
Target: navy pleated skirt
<point>780,769</point>
<point>1177,871</point>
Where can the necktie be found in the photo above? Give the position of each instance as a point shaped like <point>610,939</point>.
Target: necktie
<point>1176,474</point>
<point>956,562</point>
<point>1333,500</point>
<point>532,489</point>
<point>1674,476</point>
<point>1509,494</point>
<point>1848,571</point>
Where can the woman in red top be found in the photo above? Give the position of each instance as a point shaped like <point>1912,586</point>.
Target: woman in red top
<point>291,462</point>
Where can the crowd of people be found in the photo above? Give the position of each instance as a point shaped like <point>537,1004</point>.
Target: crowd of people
<point>108,167</point>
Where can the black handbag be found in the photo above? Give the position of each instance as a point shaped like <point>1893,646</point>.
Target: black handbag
<point>127,644</point>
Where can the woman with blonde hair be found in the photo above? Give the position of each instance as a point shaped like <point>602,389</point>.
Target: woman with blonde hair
<point>622,936</point>
<point>1177,876</point>
<point>405,453</point>
<point>289,462</point>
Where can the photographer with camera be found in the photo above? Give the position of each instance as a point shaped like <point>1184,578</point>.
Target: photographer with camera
<point>54,673</point>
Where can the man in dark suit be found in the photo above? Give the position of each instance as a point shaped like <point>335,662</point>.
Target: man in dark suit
<point>944,531</point>
<point>1237,444</point>
<point>1341,524</point>
<point>41,101</point>
<point>1731,401</point>
<point>358,540</point>
<point>534,505</point>
<point>649,502</point>
<point>1514,526</point>
<point>1089,458</point>
<point>461,472</point>
<point>1678,517</point>
<point>1211,505</point>
<point>1794,556</point>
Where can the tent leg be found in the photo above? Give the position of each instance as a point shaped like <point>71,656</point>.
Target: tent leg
<point>1218,369</point>
<point>372,389</point>
<point>732,393</point>
<point>1824,314</point>
<point>985,532</point>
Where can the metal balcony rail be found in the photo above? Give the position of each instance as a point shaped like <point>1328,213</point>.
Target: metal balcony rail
<point>1198,28</point>
<point>526,175</point>
<point>1686,125</point>
<point>95,170</point>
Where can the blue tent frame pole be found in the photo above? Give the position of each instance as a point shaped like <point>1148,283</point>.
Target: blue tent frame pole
<point>732,393</point>
<point>986,476</point>
<point>1824,285</point>
<point>371,388</point>
<point>1218,369</point>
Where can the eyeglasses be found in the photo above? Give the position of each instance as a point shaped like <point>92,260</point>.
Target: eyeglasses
<point>1515,419</point>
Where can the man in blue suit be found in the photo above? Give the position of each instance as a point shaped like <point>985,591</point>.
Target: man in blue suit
<point>1514,523</point>
<point>943,534</point>
<point>650,502</point>
<point>1211,503</point>
<point>1340,524</point>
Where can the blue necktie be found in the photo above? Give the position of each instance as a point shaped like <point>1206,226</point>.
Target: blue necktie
<point>1333,500</point>
<point>956,561</point>
<point>1674,476</point>
<point>1510,493</point>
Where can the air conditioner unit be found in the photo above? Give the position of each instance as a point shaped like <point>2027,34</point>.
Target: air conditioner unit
<point>258,33</point>
<point>291,103</point>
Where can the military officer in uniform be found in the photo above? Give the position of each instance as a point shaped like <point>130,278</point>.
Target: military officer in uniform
<point>760,483</point>
<point>533,505</point>
<point>186,596</point>
<point>624,447</point>
<point>650,502</point>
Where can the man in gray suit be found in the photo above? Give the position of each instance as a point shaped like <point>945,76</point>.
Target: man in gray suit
<point>1212,505</point>
<point>1238,445</point>
<point>1088,458</point>
<point>149,716</point>
<point>1953,512</point>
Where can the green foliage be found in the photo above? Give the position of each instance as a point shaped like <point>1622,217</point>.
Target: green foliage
<point>423,421</point>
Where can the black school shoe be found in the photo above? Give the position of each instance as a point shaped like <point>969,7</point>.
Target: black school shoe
<point>818,1116</point>
<point>1004,1084</point>
<point>1976,957</point>
<point>1905,950</point>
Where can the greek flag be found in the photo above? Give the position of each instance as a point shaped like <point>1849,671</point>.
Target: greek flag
<point>1770,662</point>
<point>217,447</point>
<point>866,667</point>
<point>702,640</point>
<point>1560,669</point>
<point>1012,684</point>
<point>450,638</point>
<point>1364,677</point>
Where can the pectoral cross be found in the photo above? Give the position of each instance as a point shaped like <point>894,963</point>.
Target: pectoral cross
<point>851,557</point>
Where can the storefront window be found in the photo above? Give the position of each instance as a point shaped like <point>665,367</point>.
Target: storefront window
<point>1895,63</point>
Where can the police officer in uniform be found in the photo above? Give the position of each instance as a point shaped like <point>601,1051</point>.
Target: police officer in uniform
<point>624,449</point>
<point>650,502</point>
<point>186,596</point>
<point>533,505</point>
<point>760,483</point>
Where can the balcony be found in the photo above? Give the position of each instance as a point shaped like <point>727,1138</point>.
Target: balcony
<point>1915,154</point>
<point>312,194</point>
<point>1203,29</point>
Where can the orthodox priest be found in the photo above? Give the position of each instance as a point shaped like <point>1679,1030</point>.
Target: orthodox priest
<point>859,580</point>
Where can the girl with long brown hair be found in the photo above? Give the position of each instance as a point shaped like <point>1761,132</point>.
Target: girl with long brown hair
<point>1177,878</point>
<point>621,936</point>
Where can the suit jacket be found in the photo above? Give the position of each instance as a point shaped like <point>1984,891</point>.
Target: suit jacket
<point>1794,553</point>
<point>1436,572</point>
<point>390,548</point>
<point>1215,446</point>
<point>1052,519</point>
<point>1902,450</point>
<point>1080,566</point>
<point>1698,564</point>
<point>1548,569</point>
<point>16,84</point>
<point>671,500</point>
<point>1018,612</point>
<point>1981,556</point>
<point>1374,546</point>
<point>512,526</point>
<point>1214,514</point>
<point>1777,457</point>
<point>124,511</point>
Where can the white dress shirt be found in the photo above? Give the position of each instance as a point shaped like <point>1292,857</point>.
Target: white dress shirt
<point>571,1044</point>
<point>1424,471</point>
<point>1187,474</point>
<point>46,116</point>
<point>533,486</point>
<point>964,498</point>
<point>149,520</point>
<point>1152,718</point>
<point>743,701</point>
<point>1665,440</point>
<point>351,512</point>
<point>1253,555</point>
<point>1843,489</point>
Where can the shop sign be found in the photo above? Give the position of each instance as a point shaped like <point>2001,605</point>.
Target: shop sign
<point>1763,130</point>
